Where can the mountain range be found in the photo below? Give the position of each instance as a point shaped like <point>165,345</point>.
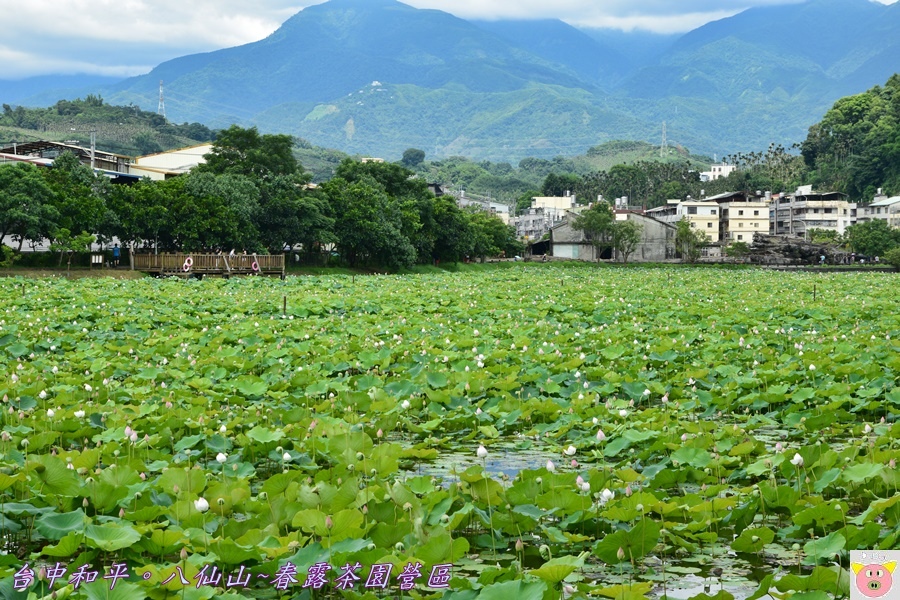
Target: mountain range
<point>377,76</point>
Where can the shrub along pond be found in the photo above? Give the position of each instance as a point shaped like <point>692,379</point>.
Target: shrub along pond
<point>540,432</point>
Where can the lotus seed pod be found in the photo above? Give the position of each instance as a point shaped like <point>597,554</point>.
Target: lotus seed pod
<point>399,547</point>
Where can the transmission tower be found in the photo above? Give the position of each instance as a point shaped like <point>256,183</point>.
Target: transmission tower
<point>161,110</point>
<point>664,148</point>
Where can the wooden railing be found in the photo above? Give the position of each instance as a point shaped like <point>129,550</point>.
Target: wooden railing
<point>238,264</point>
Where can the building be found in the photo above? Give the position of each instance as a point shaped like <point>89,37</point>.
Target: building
<point>717,171</point>
<point>173,163</point>
<point>498,209</point>
<point>702,215</point>
<point>798,213</point>
<point>657,240</point>
<point>883,208</point>
<point>43,153</point>
<point>741,216</point>
<point>545,212</point>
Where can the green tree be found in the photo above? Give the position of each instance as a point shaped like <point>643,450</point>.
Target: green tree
<point>824,236</point>
<point>368,225</point>
<point>26,204</point>
<point>79,195</point>
<point>626,235</point>
<point>559,185</point>
<point>67,244</point>
<point>689,240</point>
<point>596,223</point>
<point>873,238</point>
<point>892,257</point>
<point>240,151</point>
<point>412,158</point>
<point>737,250</point>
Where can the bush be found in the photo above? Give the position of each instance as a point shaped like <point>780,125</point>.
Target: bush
<point>892,257</point>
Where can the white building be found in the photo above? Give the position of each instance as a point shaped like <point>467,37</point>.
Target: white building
<point>717,171</point>
<point>170,164</point>
<point>883,208</point>
<point>798,213</point>
<point>545,212</point>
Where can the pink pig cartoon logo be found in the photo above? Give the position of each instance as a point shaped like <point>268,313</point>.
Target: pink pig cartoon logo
<point>874,580</point>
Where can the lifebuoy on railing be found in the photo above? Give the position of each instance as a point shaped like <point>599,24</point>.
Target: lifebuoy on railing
<point>255,266</point>
<point>189,261</point>
<point>186,267</point>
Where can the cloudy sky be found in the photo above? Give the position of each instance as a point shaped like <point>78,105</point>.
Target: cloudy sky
<point>129,37</point>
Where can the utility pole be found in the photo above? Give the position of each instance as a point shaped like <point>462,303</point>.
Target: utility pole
<point>93,148</point>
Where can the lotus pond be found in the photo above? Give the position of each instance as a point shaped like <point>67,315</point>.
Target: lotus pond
<point>532,433</point>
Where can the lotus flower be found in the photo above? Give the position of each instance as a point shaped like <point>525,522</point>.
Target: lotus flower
<point>550,466</point>
<point>797,461</point>
<point>570,451</point>
<point>79,414</point>
<point>50,413</point>
<point>606,495</point>
<point>481,452</point>
<point>221,457</point>
<point>201,504</point>
<point>600,435</point>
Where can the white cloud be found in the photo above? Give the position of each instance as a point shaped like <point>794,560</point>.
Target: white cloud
<point>127,37</point>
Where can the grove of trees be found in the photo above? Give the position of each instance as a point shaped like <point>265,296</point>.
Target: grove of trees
<point>251,195</point>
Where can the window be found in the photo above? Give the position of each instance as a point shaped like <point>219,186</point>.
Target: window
<point>693,224</point>
<point>692,210</point>
<point>740,213</point>
<point>741,224</point>
<point>712,212</point>
<point>709,225</point>
<point>740,237</point>
<point>756,225</point>
<point>755,213</point>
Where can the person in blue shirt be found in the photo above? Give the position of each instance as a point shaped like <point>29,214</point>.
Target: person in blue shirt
<point>116,255</point>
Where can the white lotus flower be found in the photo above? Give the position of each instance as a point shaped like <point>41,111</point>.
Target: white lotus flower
<point>88,388</point>
<point>550,466</point>
<point>79,414</point>
<point>797,461</point>
<point>201,504</point>
<point>585,487</point>
<point>43,395</point>
<point>481,452</point>
<point>221,457</point>
<point>606,495</point>
<point>286,456</point>
<point>405,405</point>
<point>51,413</point>
<point>570,451</point>
<point>600,435</point>
<point>623,413</point>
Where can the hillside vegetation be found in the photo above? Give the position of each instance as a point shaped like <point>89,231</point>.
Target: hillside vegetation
<point>124,130</point>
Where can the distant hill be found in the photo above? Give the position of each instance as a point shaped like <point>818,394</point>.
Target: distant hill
<point>47,89</point>
<point>376,77</point>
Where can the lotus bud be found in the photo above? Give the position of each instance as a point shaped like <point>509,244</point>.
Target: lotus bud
<point>620,553</point>
<point>520,545</point>
<point>183,554</point>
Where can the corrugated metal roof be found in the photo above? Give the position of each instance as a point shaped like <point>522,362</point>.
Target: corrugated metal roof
<point>886,202</point>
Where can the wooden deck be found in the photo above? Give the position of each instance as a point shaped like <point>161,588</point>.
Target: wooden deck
<point>209,264</point>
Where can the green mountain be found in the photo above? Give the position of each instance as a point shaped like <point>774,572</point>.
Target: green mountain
<point>376,77</point>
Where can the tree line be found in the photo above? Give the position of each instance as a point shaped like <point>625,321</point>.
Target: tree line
<point>252,195</point>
